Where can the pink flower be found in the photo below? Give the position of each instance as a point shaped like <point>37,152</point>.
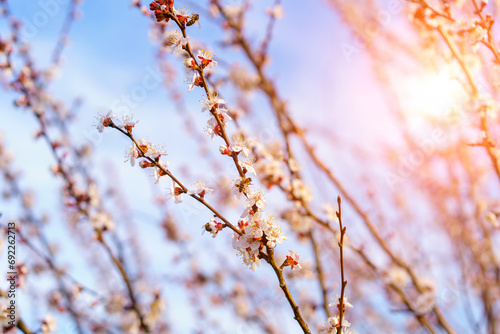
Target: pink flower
<point>200,189</point>
<point>176,192</point>
<point>213,102</point>
<point>128,124</point>
<point>132,154</point>
<point>274,236</point>
<point>237,148</point>
<point>176,41</point>
<point>149,150</point>
<point>247,167</point>
<point>159,173</point>
<point>206,59</point>
<point>345,303</point>
<point>189,63</point>
<point>213,227</point>
<point>195,81</point>
<point>292,260</point>
<point>182,15</point>
<point>105,121</point>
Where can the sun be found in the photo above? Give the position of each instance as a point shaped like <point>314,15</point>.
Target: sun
<point>432,95</point>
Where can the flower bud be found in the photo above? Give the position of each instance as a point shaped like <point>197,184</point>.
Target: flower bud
<point>189,63</point>
<point>224,150</point>
<point>145,164</point>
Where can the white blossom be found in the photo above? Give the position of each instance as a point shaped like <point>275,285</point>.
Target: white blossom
<point>301,191</point>
<point>48,325</point>
<point>101,221</point>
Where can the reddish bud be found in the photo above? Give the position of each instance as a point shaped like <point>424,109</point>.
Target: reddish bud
<point>161,9</point>
<point>106,122</point>
<point>218,130</point>
<point>178,191</point>
<point>145,164</point>
<point>224,150</point>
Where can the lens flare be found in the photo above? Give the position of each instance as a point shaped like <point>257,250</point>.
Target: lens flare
<point>432,95</point>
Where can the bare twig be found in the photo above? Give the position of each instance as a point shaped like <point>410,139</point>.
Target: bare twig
<point>344,282</point>
<point>279,273</point>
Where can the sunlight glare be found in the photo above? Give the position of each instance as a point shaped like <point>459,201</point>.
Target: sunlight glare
<point>432,95</point>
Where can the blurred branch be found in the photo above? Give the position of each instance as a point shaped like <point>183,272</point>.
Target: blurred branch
<point>22,327</point>
<point>63,36</point>
<point>321,275</point>
<point>131,293</point>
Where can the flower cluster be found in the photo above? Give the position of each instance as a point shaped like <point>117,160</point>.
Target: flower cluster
<point>150,158</point>
<point>200,189</point>
<point>301,191</point>
<point>162,9</point>
<point>334,322</point>
<point>240,145</point>
<point>243,79</point>
<point>298,221</point>
<point>206,62</point>
<point>255,203</point>
<point>257,233</point>
<point>101,221</point>
<point>426,300</point>
<point>126,123</point>
<point>176,41</point>
<point>156,308</point>
<point>216,107</point>
<point>144,149</point>
<point>398,277</point>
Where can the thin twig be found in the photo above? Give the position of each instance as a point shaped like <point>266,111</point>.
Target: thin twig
<point>279,273</point>
<point>344,282</point>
